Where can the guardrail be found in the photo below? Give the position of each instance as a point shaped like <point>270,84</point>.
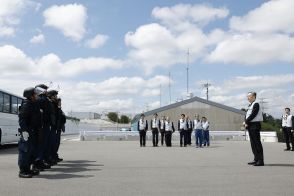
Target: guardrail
<point>134,135</point>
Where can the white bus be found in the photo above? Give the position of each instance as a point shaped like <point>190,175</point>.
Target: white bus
<point>9,106</point>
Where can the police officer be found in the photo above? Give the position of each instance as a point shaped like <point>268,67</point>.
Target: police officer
<point>61,120</point>
<point>29,122</point>
<point>169,129</point>
<point>252,122</point>
<point>288,128</point>
<point>155,124</point>
<point>142,128</point>
<point>190,130</point>
<point>162,129</point>
<point>197,126</point>
<point>52,95</point>
<point>45,108</point>
<point>182,128</point>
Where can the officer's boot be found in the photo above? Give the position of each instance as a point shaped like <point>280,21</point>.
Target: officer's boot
<point>24,173</point>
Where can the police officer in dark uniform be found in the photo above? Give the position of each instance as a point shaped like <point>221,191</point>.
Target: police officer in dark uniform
<point>52,95</point>
<point>252,122</point>
<point>61,120</point>
<point>45,108</point>
<point>30,124</point>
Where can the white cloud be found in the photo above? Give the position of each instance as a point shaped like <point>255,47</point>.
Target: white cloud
<point>14,61</point>
<point>166,43</point>
<point>253,49</point>
<point>38,39</point>
<point>272,16</point>
<point>70,19</point>
<point>252,83</point>
<point>10,15</point>
<point>154,45</point>
<point>130,85</point>
<point>181,16</point>
<point>97,42</point>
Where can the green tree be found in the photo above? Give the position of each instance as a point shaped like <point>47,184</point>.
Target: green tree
<point>124,119</point>
<point>112,116</point>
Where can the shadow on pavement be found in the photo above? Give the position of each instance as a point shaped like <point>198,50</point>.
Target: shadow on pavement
<point>280,165</point>
<point>69,169</point>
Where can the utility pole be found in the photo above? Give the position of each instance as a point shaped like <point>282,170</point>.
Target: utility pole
<point>169,87</point>
<point>188,62</point>
<point>160,96</point>
<point>207,85</point>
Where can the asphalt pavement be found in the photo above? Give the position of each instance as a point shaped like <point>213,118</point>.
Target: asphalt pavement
<point>123,168</point>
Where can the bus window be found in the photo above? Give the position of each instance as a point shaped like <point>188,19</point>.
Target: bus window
<point>19,101</point>
<point>6,103</point>
<point>1,102</point>
<point>13,105</point>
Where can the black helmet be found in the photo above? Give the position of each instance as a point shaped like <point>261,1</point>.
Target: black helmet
<point>43,86</point>
<point>52,93</point>
<point>29,92</point>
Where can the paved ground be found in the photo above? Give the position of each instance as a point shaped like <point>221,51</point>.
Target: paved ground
<point>122,168</point>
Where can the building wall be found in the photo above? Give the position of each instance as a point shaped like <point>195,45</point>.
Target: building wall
<point>220,119</point>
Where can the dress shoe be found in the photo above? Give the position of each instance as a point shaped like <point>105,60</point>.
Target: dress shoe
<point>252,163</point>
<point>259,163</point>
<point>24,174</point>
<point>287,149</point>
<point>34,172</point>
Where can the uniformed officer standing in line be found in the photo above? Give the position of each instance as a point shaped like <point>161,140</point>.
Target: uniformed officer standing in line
<point>197,126</point>
<point>252,122</point>
<point>155,124</point>
<point>182,128</point>
<point>61,120</point>
<point>162,129</point>
<point>190,130</point>
<point>205,126</point>
<point>30,124</point>
<point>169,129</point>
<point>52,95</point>
<point>142,128</point>
<point>288,129</point>
<point>45,108</point>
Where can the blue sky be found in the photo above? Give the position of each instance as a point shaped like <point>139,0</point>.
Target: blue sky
<point>237,46</point>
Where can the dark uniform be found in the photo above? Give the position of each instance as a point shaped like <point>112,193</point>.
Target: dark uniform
<point>30,124</point>
<point>61,120</point>
<point>287,127</point>
<point>169,129</point>
<point>142,128</point>
<point>162,130</point>
<point>182,128</point>
<point>53,127</point>
<point>155,124</point>
<point>44,104</point>
<point>189,132</point>
<point>253,121</point>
